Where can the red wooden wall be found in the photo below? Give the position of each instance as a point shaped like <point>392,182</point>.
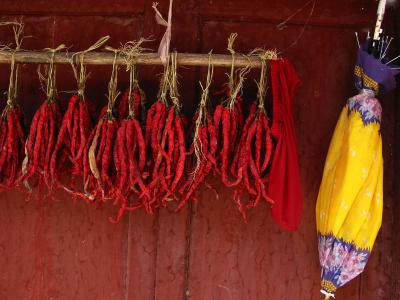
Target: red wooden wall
<point>67,250</point>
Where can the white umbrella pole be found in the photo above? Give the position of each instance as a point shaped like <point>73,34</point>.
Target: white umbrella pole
<point>380,14</point>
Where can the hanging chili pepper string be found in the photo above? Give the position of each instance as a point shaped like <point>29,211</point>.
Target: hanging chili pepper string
<point>12,138</point>
<point>53,114</point>
<point>177,133</point>
<point>266,142</point>
<point>173,131</point>
<point>204,142</point>
<point>75,128</point>
<point>44,129</point>
<point>255,140</point>
<point>154,136</point>
<point>228,119</point>
<point>99,182</point>
<point>130,144</point>
<point>202,116</point>
<point>168,143</point>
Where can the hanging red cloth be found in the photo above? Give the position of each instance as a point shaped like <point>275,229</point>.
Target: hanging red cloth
<point>284,183</point>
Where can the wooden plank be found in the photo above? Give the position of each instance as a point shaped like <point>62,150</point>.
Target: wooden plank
<point>19,254</point>
<point>120,29</point>
<point>83,254</point>
<point>72,7</point>
<point>170,277</point>
<point>326,13</point>
<point>141,256</point>
<point>378,282</point>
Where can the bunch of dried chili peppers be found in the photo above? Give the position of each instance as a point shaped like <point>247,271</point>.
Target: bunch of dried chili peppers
<point>69,151</point>
<point>12,139</point>
<point>138,159</point>
<point>98,165</point>
<point>165,137</point>
<point>205,143</point>
<point>253,153</point>
<point>43,131</point>
<point>130,148</point>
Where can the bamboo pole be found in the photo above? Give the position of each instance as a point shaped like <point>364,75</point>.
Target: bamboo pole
<point>104,58</point>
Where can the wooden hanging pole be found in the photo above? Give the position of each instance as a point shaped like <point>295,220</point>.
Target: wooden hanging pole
<point>104,58</point>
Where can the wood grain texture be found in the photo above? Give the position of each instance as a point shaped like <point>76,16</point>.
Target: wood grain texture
<point>395,265</point>
<point>171,252</point>
<point>18,246</point>
<point>67,250</point>
<point>106,58</point>
<point>73,7</point>
<point>141,256</point>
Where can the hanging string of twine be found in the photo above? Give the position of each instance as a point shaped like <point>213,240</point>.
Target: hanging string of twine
<point>236,79</point>
<point>262,84</point>
<point>202,115</point>
<point>18,29</point>
<point>241,77</point>
<point>132,71</point>
<point>50,72</point>
<point>130,51</point>
<point>164,85</point>
<point>231,41</point>
<point>173,82</point>
<point>113,93</point>
<point>80,69</point>
<point>206,89</point>
<point>13,84</point>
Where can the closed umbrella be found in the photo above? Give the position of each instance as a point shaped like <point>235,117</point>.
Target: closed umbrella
<point>350,200</point>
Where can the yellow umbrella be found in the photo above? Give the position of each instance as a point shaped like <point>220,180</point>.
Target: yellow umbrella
<point>350,200</point>
<point>349,205</point>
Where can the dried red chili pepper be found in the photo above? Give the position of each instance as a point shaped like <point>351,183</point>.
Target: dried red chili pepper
<point>205,143</point>
<point>99,182</point>
<point>41,142</point>
<point>12,143</point>
<point>129,148</point>
<point>67,156</point>
<point>253,154</point>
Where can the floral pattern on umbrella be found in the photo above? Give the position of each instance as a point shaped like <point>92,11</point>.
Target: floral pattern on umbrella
<point>350,200</point>
<point>340,261</point>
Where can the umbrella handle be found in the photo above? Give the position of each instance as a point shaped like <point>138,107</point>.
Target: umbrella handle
<point>327,295</point>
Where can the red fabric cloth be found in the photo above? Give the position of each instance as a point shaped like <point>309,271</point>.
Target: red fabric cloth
<point>284,185</point>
